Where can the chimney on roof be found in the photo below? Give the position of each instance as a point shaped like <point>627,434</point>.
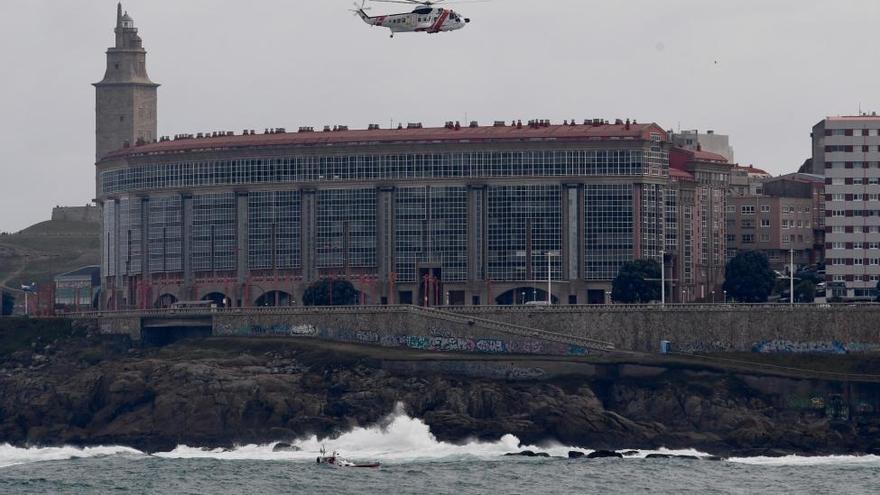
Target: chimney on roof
<point>474,124</point>
<point>373,127</point>
<point>457,125</point>
<point>618,122</point>
<point>400,126</point>
<point>519,124</point>
<point>628,124</point>
<point>499,123</point>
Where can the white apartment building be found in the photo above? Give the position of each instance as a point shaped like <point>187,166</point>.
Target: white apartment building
<point>846,150</point>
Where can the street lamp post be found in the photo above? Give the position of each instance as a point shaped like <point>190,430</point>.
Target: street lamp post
<point>550,255</point>
<point>608,297</point>
<point>725,297</point>
<point>791,275</point>
<point>662,277</point>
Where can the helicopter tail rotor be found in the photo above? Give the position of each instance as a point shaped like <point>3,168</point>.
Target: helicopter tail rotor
<point>361,9</point>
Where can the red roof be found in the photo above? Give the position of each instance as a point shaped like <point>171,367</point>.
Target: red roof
<point>680,174</point>
<point>752,170</point>
<point>388,136</point>
<point>708,156</point>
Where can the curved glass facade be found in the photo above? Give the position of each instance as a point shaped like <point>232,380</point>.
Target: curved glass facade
<point>377,167</point>
<point>464,226</point>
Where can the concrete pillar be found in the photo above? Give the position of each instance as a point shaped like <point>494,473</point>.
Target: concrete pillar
<point>186,241</point>
<point>308,232</point>
<point>385,236</point>
<point>572,231</point>
<point>637,221</point>
<point>476,235</point>
<point>242,235</point>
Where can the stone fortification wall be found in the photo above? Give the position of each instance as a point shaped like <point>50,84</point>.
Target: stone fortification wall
<point>733,328</point>
<point>89,214</point>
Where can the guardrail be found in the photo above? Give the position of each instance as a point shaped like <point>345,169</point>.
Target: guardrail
<point>603,308</point>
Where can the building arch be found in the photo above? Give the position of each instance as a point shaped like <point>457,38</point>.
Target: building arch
<point>275,298</point>
<point>524,295</point>
<point>217,298</point>
<point>165,301</point>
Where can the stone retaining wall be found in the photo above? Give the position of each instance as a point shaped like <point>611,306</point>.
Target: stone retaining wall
<point>802,329</point>
<point>836,329</point>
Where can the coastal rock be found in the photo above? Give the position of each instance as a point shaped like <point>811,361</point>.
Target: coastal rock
<point>285,447</point>
<point>219,393</point>
<point>658,456</point>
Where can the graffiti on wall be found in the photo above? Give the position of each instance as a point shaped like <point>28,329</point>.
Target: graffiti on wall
<point>820,347</point>
<point>282,330</point>
<point>432,343</point>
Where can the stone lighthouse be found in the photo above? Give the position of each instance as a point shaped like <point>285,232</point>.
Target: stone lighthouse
<point>126,98</point>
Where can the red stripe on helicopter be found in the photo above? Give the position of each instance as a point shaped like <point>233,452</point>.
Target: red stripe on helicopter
<point>437,25</point>
<point>380,20</point>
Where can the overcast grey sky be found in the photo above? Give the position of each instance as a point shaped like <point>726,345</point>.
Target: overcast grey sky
<point>232,64</point>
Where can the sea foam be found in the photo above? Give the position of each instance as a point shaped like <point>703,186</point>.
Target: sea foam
<point>398,439</point>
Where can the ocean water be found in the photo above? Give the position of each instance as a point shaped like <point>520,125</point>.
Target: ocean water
<point>414,462</point>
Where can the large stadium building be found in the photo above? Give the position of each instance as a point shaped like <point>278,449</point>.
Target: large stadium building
<point>458,215</point>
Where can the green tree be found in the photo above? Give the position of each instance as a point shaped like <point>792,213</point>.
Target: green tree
<point>319,293</point>
<point>637,282</point>
<point>748,277</point>
<point>804,291</point>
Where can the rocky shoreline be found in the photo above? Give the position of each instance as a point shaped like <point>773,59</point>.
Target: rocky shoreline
<point>75,388</point>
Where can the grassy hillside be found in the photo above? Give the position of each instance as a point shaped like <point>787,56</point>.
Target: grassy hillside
<point>42,251</point>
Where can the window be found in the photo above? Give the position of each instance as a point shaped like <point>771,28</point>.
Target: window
<point>765,208</point>
<point>765,237</point>
<point>748,239</point>
<point>765,222</point>
<point>748,209</point>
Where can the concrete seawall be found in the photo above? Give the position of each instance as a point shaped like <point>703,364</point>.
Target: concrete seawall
<point>729,328</point>
<point>536,330</point>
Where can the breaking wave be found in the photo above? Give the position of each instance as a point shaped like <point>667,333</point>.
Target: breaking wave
<point>400,439</point>
<point>12,456</point>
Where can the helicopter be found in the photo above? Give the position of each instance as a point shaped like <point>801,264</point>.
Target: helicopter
<point>424,19</point>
